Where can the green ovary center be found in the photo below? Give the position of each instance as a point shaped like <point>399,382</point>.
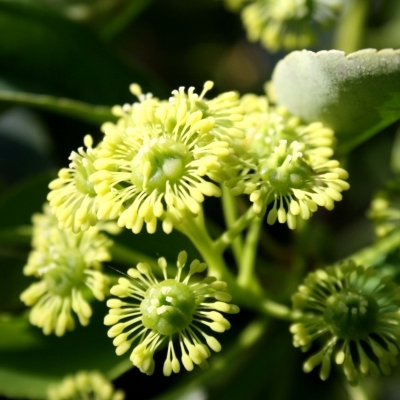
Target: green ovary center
<point>65,273</point>
<point>82,182</point>
<point>159,162</point>
<point>168,307</point>
<point>351,315</point>
<point>286,175</point>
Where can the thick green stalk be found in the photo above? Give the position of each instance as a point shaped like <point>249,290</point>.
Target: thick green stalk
<point>221,366</point>
<point>230,215</point>
<point>350,29</point>
<point>195,230</point>
<point>279,311</point>
<point>246,277</point>
<point>358,393</point>
<point>239,226</point>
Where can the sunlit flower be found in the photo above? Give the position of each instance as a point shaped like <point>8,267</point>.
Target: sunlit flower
<point>286,24</point>
<point>266,126</point>
<point>155,311</point>
<point>225,109</point>
<point>385,209</point>
<point>293,186</point>
<point>69,268</point>
<point>355,311</point>
<point>156,162</point>
<point>85,385</point>
<point>72,196</point>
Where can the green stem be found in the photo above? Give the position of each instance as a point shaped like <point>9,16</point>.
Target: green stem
<point>374,254</point>
<point>350,30</point>
<point>246,277</point>
<point>195,230</point>
<point>279,311</point>
<point>71,108</point>
<point>357,393</point>
<point>230,215</point>
<point>222,365</point>
<point>240,225</point>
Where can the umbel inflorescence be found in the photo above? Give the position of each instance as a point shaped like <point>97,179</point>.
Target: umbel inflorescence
<point>158,162</point>
<point>85,385</point>
<point>286,24</point>
<point>286,164</point>
<point>149,311</point>
<point>162,158</point>
<point>68,267</point>
<point>354,313</point>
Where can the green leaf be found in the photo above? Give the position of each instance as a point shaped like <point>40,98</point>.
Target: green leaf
<point>43,52</point>
<point>30,361</point>
<point>356,95</point>
<point>72,108</point>
<point>19,203</point>
<point>12,261</point>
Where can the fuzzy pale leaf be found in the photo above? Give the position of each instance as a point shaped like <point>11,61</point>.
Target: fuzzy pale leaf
<point>356,95</point>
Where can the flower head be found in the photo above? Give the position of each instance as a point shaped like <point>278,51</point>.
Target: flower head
<point>159,160</point>
<point>83,386</point>
<point>356,312</point>
<point>266,126</point>
<point>153,311</point>
<point>286,24</point>
<point>69,268</point>
<point>72,196</point>
<point>294,186</point>
<point>385,209</point>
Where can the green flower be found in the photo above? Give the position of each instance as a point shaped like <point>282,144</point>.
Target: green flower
<point>294,186</point>
<point>154,163</point>
<point>286,24</point>
<point>355,312</point>
<point>72,197</point>
<point>385,209</point>
<point>69,267</point>
<point>266,126</point>
<point>155,311</point>
<point>84,385</point>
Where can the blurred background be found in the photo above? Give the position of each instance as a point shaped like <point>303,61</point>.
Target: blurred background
<point>90,51</point>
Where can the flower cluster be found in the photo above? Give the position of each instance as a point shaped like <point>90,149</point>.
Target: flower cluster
<point>69,268</point>
<point>385,209</point>
<point>356,312</point>
<point>83,386</point>
<point>161,159</point>
<point>286,163</point>
<point>286,24</point>
<point>152,311</point>
<point>157,162</point>
<point>72,197</point>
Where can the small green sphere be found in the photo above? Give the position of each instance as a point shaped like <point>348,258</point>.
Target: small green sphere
<point>168,307</point>
<point>351,315</point>
<point>66,274</point>
<point>293,175</point>
<point>82,182</point>
<point>168,162</point>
